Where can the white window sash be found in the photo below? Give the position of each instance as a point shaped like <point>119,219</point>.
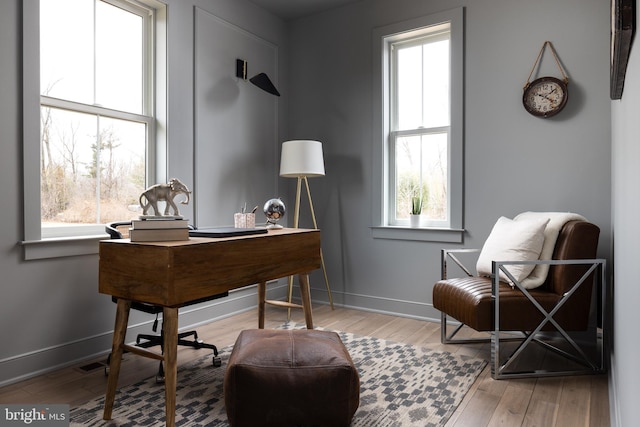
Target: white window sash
<point>393,138</point>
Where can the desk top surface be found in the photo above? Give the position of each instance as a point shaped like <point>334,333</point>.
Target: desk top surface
<point>209,240</point>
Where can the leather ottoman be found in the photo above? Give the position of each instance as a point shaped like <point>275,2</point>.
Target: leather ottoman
<point>290,378</point>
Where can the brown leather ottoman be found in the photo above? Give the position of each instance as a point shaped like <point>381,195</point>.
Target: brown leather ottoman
<point>290,378</point>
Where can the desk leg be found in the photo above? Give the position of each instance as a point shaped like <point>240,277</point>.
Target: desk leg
<point>170,331</point>
<point>262,296</point>
<point>119,332</point>
<point>305,294</point>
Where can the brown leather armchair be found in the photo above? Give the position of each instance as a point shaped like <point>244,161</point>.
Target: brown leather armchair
<point>559,315</point>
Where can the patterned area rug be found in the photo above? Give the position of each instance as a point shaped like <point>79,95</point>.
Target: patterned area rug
<point>401,385</point>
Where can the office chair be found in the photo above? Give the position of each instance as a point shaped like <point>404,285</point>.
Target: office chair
<point>552,315</point>
<point>151,340</point>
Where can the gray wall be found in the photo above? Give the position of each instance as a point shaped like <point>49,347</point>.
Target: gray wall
<point>625,375</point>
<point>514,162</point>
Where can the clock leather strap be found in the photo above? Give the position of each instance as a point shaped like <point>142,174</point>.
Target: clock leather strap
<point>553,51</point>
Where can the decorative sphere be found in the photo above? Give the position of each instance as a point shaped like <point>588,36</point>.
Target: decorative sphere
<point>274,209</point>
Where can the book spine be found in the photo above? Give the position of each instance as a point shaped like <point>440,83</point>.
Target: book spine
<point>153,224</point>
<point>159,235</point>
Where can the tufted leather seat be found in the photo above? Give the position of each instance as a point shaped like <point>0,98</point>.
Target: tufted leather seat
<point>290,378</point>
<point>469,299</point>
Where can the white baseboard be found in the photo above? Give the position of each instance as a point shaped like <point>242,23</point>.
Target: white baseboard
<point>396,307</point>
<point>614,407</point>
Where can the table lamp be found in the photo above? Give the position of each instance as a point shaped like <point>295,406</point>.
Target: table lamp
<point>303,159</point>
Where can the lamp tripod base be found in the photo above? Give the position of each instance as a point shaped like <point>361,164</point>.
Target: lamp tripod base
<point>296,216</point>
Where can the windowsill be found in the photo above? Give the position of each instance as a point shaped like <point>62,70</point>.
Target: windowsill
<point>88,245</point>
<point>61,247</point>
<point>447,235</point>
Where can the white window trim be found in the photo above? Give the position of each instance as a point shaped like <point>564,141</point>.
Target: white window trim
<point>36,247</point>
<point>380,228</point>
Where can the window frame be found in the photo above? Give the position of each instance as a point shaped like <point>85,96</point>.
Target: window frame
<point>383,155</point>
<point>80,239</point>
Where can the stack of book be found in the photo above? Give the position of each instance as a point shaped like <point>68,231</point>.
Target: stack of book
<point>159,230</point>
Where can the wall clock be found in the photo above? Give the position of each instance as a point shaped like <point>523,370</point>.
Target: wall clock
<point>546,96</point>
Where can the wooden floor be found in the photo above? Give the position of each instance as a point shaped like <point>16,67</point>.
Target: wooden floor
<point>561,401</point>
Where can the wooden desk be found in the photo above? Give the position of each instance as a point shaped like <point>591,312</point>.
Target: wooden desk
<point>172,274</point>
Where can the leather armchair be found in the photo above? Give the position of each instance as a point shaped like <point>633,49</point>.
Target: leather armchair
<point>558,315</point>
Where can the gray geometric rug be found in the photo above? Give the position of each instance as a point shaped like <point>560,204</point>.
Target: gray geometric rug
<point>400,385</point>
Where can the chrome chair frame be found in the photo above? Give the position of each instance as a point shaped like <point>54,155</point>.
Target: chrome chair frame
<point>500,369</point>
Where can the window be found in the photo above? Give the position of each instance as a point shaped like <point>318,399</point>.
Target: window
<point>419,116</point>
<point>96,111</point>
<point>95,75</point>
<point>420,126</point>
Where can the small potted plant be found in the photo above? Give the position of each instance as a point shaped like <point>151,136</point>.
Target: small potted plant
<point>416,210</point>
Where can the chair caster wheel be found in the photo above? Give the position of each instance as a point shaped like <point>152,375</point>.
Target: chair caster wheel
<point>217,362</point>
<point>159,379</point>
<point>106,371</point>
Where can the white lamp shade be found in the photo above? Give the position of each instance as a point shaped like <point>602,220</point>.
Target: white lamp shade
<point>301,158</point>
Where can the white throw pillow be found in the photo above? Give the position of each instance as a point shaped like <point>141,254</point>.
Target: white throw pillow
<point>557,220</point>
<point>512,240</point>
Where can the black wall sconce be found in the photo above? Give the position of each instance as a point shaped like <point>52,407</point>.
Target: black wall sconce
<point>261,80</point>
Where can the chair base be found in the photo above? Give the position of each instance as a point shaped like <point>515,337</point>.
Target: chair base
<point>153,340</point>
<point>147,341</point>
<point>553,357</point>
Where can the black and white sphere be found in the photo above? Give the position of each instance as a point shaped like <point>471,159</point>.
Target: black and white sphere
<point>274,209</point>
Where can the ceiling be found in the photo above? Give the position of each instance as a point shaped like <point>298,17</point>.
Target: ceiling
<point>292,9</point>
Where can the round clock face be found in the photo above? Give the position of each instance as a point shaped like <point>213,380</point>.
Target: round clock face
<point>545,97</point>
